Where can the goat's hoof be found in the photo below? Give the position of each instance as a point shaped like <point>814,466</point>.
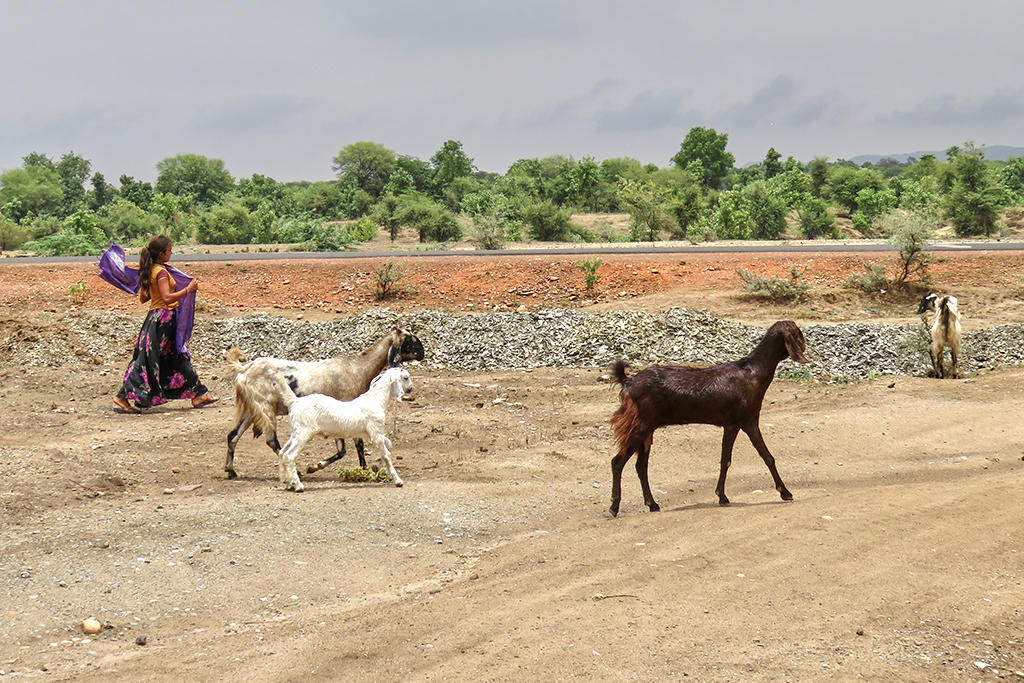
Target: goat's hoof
<point>232,474</point>
<point>398,483</point>
<point>723,501</point>
<point>614,510</point>
<point>786,495</point>
<point>654,507</point>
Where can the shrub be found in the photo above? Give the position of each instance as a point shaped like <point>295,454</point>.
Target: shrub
<point>488,228</point>
<point>12,235</point>
<point>227,223</point>
<point>127,221</point>
<point>430,219</point>
<point>386,279</point>
<point>547,222</point>
<point>910,233</point>
<point>362,230</point>
<point>294,230</point>
<point>589,268</point>
<point>874,279</point>
<point>815,219</point>
<point>775,289</point>
<point>328,237</point>
<point>704,229</point>
<point>69,243</point>
<point>767,212</point>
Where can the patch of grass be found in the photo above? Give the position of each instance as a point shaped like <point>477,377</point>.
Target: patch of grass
<point>773,288</point>
<point>801,373</point>
<point>358,474</point>
<point>557,454</point>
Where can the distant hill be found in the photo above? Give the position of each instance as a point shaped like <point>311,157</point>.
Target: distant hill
<point>993,153</point>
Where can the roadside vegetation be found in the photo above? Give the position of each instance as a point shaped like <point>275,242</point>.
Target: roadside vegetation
<point>62,207</point>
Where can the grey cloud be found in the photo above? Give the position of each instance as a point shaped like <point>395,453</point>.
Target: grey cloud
<point>948,109</point>
<point>648,110</point>
<point>467,22</point>
<point>573,109</point>
<point>257,114</point>
<point>825,108</point>
<point>764,105</point>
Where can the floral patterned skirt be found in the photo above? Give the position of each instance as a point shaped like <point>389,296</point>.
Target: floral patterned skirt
<point>158,372</point>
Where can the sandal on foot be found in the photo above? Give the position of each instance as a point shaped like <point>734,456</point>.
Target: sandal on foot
<point>122,405</point>
<point>204,400</point>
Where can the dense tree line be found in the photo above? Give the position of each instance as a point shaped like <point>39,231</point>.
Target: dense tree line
<point>61,206</point>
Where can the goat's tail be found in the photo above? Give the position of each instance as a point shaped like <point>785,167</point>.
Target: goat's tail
<point>284,385</point>
<point>949,307</point>
<point>236,358</point>
<point>625,420</point>
<point>619,371</point>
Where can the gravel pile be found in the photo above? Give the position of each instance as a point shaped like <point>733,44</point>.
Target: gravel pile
<point>546,338</point>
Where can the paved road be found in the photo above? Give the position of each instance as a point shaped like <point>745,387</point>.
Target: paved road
<point>646,249</point>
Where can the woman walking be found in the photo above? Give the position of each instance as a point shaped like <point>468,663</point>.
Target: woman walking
<point>161,369</point>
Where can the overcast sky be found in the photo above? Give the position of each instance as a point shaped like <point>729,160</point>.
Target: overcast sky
<point>279,88</point>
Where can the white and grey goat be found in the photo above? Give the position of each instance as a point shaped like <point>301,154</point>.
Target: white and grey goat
<point>945,330</point>
<point>363,417</point>
<point>258,399</point>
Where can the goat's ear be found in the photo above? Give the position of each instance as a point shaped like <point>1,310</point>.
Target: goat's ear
<point>393,355</point>
<point>795,345</point>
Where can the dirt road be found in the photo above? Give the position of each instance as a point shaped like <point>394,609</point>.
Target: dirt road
<point>899,559</point>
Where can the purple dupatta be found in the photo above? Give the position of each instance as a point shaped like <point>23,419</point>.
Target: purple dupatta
<point>112,269</point>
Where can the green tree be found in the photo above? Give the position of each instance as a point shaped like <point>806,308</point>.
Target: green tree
<point>767,211</point>
<point>102,192</point>
<point>1012,175</point>
<point>430,219</point>
<point>34,190</point>
<point>815,219</point>
<point>927,165</point>
<point>734,217</point>
<point>818,170</point>
<point>226,223</point>
<point>845,182</point>
<point>584,184</point>
<point>205,180</point>
<point>976,196</point>
<point>258,189</point>
<point>771,164</point>
<point>329,200</point>
<point>547,221</point>
<point>139,193</point>
<point>650,206</point>
<point>127,221</point>
<point>400,182</point>
<point>38,160</point>
<point>703,149</point>
<point>449,163</point>
<point>385,214</point>
<point>365,165</point>
<point>73,171</point>
<point>12,235</point>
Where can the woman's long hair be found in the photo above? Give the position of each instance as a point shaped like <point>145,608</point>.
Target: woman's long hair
<point>149,256</point>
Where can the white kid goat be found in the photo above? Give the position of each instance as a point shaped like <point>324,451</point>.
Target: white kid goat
<point>363,417</point>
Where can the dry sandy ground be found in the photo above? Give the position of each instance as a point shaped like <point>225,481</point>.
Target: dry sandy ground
<point>899,559</point>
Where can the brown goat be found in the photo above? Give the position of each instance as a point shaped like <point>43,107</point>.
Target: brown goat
<point>727,395</point>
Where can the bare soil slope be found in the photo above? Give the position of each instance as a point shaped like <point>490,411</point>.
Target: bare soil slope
<point>899,559</point>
